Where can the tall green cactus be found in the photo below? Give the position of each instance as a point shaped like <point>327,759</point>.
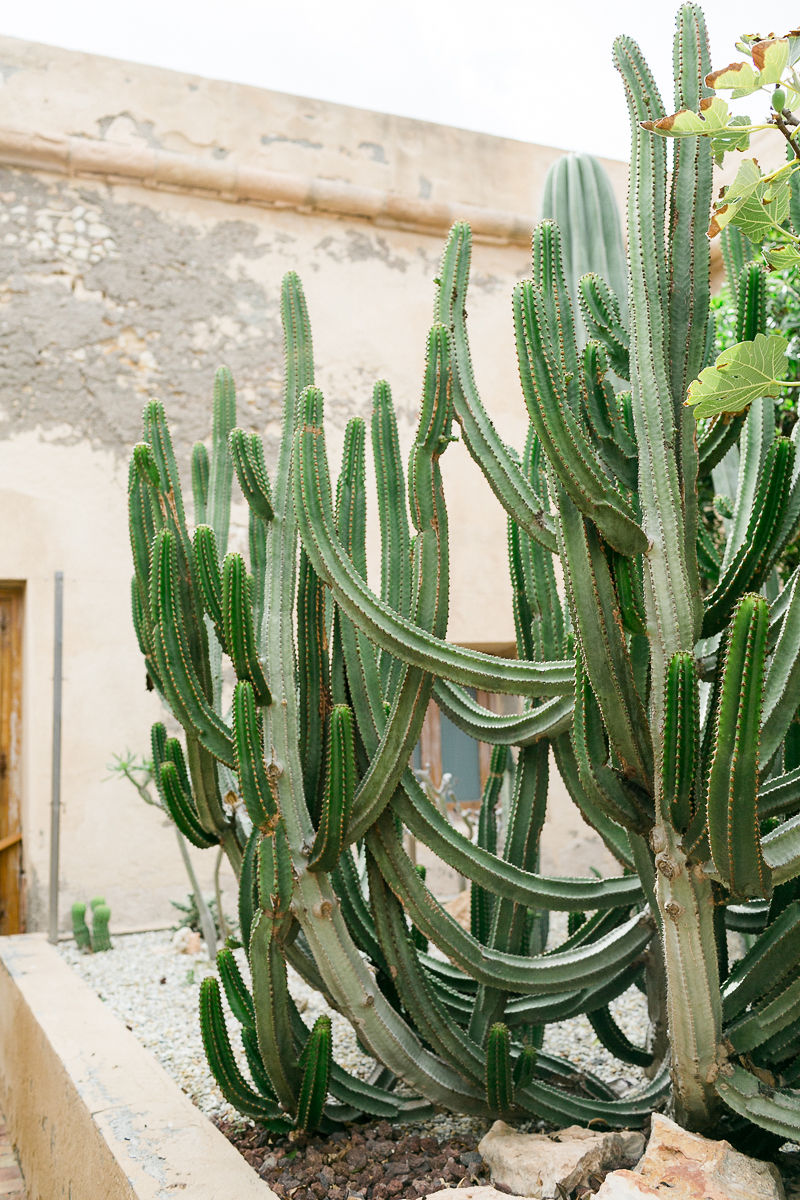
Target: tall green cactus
<point>664,680</point>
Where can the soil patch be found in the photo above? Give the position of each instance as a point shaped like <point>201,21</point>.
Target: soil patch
<point>374,1162</point>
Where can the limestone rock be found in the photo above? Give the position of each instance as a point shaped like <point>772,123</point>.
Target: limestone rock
<point>187,941</point>
<point>535,1164</point>
<point>685,1166</point>
<point>479,1192</point>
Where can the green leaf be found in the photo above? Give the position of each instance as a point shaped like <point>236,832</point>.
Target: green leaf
<point>770,60</point>
<point>783,257</point>
<point>741,76</point>
<point>742,373</point>
<point>713,121</point>
<point>713,117</point>
<point>771,56</point>
<point>752,203</point>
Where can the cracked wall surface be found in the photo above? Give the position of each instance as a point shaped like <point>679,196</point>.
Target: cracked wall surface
<point>112,292</point>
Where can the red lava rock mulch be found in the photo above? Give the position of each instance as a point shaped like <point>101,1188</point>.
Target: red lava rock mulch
<point>374,1162</point>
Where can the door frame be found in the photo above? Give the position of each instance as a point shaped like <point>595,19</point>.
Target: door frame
<point>12,874</point>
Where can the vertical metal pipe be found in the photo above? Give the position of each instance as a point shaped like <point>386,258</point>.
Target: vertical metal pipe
<point>55,785</point>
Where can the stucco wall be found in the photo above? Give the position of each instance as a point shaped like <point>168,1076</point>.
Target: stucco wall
<point>147,219</point>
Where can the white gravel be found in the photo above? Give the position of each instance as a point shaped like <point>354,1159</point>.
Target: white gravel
<point>154,989</point>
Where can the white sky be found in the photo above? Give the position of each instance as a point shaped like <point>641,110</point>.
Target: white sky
<point>518,68</point>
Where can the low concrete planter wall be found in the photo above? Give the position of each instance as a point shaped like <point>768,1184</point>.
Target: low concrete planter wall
<point>93,1115</point>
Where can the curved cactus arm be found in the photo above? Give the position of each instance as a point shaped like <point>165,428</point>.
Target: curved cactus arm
<point>509,920</point>
<point>225,1069</point>
<point>531,1010</point>
<point>253,1055</point>
<point>157,436</point>
<point>315,1060</point>
<point>340,783</point>
<point>387,628</point>
<point>525,1066</point>
<point>314,688</point>
<point>255,782</point>
<point>499,1081</point>
<point>758,434</point>
<point>546,973</point>
<point>768,1016</point>
<point>523,617</point>
<point>776,1109</point>
<point>236,991</point>
<point>590,802</point>
<point>388,765</point>
<point>790,525</point>
<point>551,1104</point>
<point>671,607</point>
<point>543,380</point>
<point>502,472</point>
<point>751,564</point>
<point>221,474</point>
<point>419,998</point>
<point>257,544</point>
<point>747,918</point>
<point>370,1099</point>
<point>751,304</point>
<point>597,620</point>
<point>200,477</point>
<point>359,918</point>
<point>516,729</point>
<point>781,850</point>
<point>424,821</point>
<point>681,738</point>
<point>732,790</point>
<point>780,796</point>
<point>541,589</point>
<point>766,965</point>
<point>615,1040</point>
<point>182,686</point>
<point>617,449</point>
<point>782,682</point>
<point>601,311</point>
<point>175,791</point>
<point>240,634</point>
<point>395,536</point>
<point>482,902</point>
<point>609,793</point>
<point>271,1001</point>
<point>247,455</point>
<point>689,259</point>
<point>203,770</point>
<point>430,585</point>
<point>209,577</point>
<point>737,252</point>
<point>715,439</point>
<point>180,808</point>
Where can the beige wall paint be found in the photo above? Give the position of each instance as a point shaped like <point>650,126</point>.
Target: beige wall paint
<point>119,284</point>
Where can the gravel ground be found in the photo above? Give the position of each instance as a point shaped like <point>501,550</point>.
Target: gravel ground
<point>154,989</point>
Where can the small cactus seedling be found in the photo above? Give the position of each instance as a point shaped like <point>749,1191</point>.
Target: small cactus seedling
<point>80,930</point>
<point>101,915</point>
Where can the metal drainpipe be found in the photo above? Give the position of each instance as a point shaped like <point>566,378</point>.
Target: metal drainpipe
<point>55,792</point>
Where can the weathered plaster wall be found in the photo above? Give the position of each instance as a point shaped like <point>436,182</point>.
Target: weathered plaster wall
<point>113,289</point>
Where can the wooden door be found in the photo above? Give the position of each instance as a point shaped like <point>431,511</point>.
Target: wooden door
<point>11,898</point>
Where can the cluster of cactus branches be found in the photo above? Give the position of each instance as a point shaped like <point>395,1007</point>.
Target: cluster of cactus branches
<point>660,675</point>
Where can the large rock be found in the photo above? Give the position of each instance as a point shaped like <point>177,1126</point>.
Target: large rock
<point>536,1164</point>
<point>685,1166</point>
